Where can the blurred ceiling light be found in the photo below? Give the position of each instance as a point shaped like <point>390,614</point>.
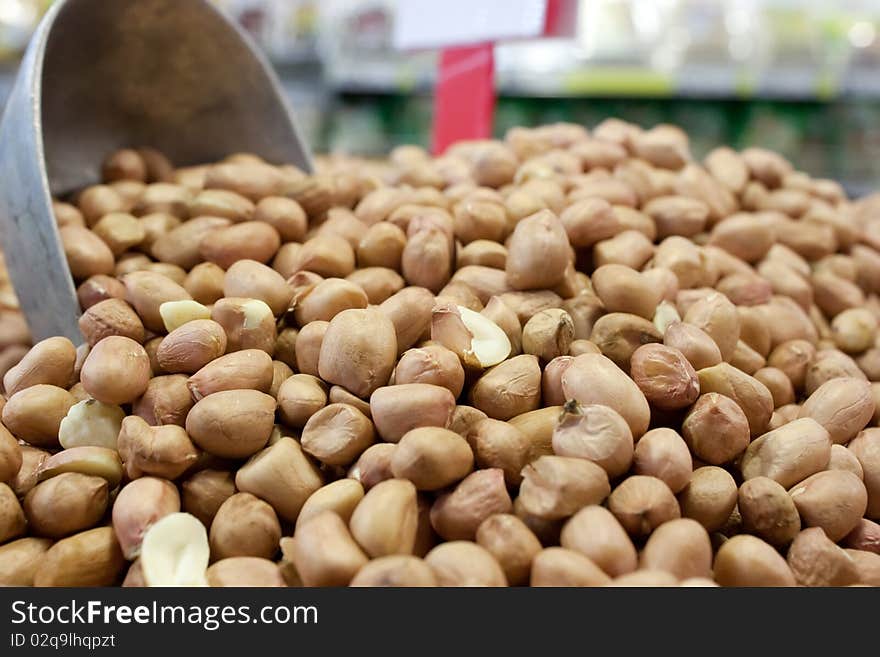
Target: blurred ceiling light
<point>17,21</point>
<point>862,34</point>
<point>605,29</point>
<point>17,12</point>
<point>740,17</point>
<point>646,17</point>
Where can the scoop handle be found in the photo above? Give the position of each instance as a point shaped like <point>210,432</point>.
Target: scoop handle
<point>28,232</point>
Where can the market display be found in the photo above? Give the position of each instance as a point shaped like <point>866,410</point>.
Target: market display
<point>570,357</point>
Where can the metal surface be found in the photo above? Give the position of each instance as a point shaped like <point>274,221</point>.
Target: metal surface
<point>176,75</point>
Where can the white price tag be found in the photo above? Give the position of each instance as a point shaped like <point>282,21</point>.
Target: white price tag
<point>442,23</point>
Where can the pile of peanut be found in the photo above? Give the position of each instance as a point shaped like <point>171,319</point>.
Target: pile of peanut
<point>565,358</point>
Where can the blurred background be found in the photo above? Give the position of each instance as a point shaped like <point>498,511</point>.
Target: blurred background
<point>799,77</point>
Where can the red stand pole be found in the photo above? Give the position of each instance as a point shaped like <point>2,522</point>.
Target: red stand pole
<point>464,100</point>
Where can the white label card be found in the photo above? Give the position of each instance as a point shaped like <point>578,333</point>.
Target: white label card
<point>442,23</point>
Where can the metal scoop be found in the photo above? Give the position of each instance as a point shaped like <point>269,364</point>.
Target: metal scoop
<point>98,75</point>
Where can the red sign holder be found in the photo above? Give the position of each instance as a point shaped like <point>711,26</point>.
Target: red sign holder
<point>464,101</point>
<point>466,32</point>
